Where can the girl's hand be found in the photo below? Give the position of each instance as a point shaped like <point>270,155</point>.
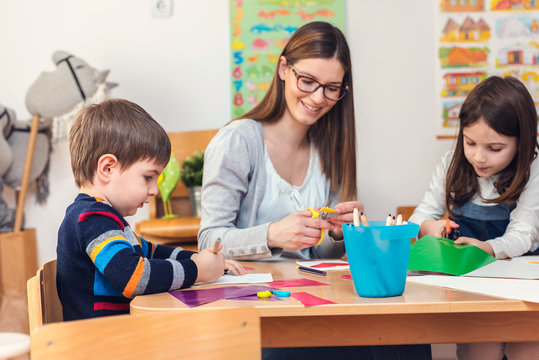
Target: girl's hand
<point>346,215</point>
<point>483,245</point>
<point>234,267</point>
<point>296,231</point>
<point>435,227</point>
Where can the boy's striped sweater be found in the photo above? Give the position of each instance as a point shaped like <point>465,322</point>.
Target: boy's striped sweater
<point>102,264</point>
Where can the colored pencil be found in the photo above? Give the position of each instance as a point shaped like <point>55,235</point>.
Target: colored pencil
<point>356,217</point>
<point>215,248</point>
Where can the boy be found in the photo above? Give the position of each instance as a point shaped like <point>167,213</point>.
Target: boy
<point>117,153</point>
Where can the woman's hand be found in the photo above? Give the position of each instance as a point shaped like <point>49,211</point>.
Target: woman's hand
<point>345,215</point>
<point>435,227</point>
<point>296,231</point>
<point>483,245</point>
<point>232,266</point>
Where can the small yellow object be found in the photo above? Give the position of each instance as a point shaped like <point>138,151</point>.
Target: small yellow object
<point>264,294</point>
<point>323,212</point>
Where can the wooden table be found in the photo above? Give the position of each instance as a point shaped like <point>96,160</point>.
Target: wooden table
<point>423,314</point>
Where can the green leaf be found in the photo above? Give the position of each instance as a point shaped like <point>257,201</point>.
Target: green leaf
<point>192,169</point>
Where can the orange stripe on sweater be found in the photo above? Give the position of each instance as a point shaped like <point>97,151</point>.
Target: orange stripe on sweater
<point>135,278</point>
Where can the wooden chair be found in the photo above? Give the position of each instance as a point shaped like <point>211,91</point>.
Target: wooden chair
<point>184,228</point>
<point>405,211</point>
<point>44,306</point>
<point>230,333</point>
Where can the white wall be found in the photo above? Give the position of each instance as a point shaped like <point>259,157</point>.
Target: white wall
<point>160,63</point>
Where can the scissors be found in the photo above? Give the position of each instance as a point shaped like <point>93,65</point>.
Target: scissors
<point>448,231</point>
<point>324,213</point>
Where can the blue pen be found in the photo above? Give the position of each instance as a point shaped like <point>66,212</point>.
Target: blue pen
<point>311,270</point>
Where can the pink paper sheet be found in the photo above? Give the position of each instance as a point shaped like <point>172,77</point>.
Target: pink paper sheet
<point>295,282</point>
<point>310,300</point>
<point>327,264</point>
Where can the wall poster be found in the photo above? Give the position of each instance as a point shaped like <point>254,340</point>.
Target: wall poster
<point>259,29</point>
<point>480,38</point>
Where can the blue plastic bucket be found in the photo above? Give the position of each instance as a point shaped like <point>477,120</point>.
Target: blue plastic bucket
<point>378,256</point>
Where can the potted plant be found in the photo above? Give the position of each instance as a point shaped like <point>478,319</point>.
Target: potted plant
<point>191,175</point>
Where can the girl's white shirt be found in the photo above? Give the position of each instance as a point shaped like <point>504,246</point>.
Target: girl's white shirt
<point>522,233</point>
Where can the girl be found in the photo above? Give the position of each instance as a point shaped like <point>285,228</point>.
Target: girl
<point>490,185</point>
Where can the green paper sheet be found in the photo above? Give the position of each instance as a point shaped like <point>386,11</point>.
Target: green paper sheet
<point>431,253</point>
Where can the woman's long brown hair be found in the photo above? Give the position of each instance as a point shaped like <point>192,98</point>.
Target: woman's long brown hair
<point>334,134</point>
<point>508,108</point>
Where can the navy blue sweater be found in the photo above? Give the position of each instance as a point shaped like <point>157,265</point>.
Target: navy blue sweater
<point>102,264</point>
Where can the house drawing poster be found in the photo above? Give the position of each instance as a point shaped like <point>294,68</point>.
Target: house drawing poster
<point>481,38</point>
<point>259,30</point>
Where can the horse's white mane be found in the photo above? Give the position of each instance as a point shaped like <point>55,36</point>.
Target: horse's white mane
<point>61,125</point>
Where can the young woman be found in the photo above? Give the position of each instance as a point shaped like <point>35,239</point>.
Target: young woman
<point>295,150</point>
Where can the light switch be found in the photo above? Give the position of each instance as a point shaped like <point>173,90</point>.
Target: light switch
<point>161,8</point>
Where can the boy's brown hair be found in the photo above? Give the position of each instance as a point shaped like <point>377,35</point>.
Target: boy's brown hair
<point>118,127</point>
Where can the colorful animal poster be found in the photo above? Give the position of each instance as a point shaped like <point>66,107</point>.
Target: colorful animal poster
<point>259,32</point>
<point>480,38</point>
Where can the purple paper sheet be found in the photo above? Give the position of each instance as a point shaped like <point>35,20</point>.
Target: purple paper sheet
<point>194,298</point>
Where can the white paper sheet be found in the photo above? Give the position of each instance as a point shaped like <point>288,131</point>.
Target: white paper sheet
<point>345,265</point>
<point>528,259</point>
<point>527,290</point>
<point>520,269</point>
<point>242,279</point>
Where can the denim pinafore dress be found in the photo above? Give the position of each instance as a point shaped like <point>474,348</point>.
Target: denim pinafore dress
<point>481,222</point>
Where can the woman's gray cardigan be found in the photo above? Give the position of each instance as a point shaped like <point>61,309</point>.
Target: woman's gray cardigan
<point>233,188</point>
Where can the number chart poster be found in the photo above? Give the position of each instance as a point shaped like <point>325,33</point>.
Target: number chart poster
<point>259,31</point>
<point>481,38</point>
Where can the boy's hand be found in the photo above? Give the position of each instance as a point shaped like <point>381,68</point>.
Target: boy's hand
<point>483,245</point>
<point>435,227</point>
<point>210,266</point>
<point>234,267</point>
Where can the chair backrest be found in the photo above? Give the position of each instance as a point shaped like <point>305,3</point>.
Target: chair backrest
<point>229,333</point>
<point>184,144</point>
<point>44,306</point>
<point>405,211</point>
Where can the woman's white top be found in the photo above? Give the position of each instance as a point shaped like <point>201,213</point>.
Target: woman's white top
<point>282,199</point>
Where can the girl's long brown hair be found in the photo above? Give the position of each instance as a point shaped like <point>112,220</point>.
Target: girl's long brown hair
<point>508,108</point>
<point>334,134</point>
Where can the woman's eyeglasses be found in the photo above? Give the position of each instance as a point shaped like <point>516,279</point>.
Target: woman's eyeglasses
<point>310,85</point>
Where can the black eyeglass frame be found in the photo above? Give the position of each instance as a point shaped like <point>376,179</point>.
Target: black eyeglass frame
<point>344,89</point>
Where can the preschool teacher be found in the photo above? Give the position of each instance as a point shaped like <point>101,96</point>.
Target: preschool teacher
<point>295,150</point>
